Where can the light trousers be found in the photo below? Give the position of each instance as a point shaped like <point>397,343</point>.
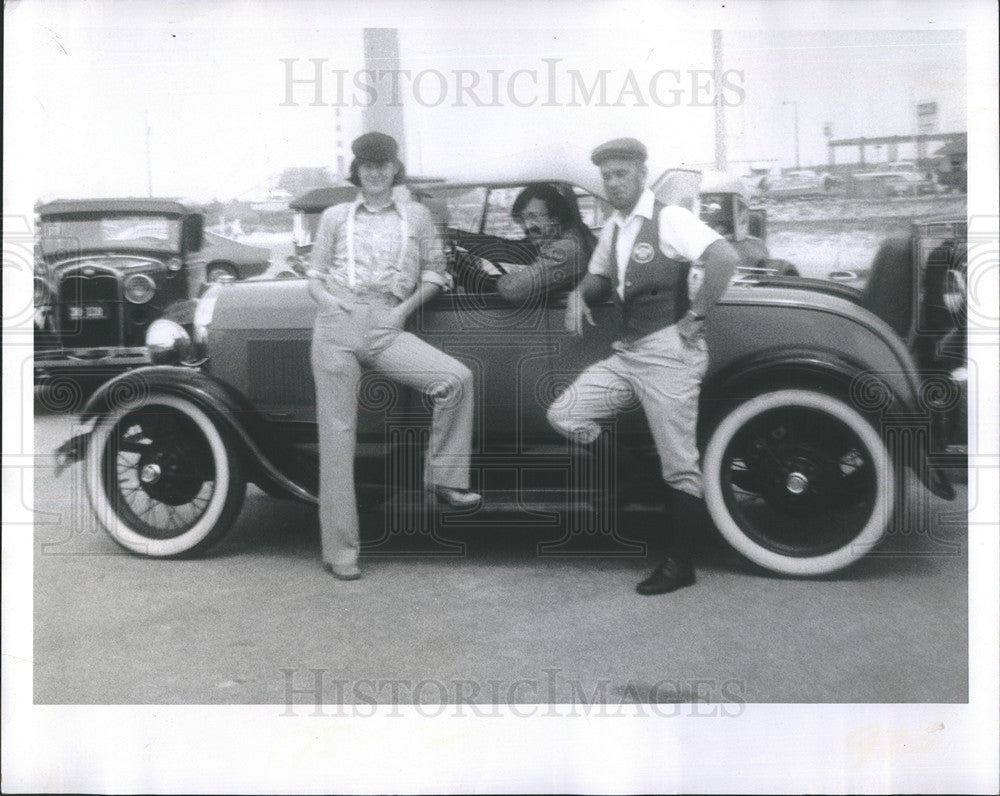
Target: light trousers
<point>357,336</point>
<point>662,373</point>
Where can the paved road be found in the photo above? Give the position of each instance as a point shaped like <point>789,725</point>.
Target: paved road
<point>499,623</point>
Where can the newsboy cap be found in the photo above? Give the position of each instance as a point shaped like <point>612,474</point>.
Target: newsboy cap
<point>626,148</point>
<point>375,147</point>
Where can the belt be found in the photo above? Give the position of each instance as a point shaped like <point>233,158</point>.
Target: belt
<point>360,295</point>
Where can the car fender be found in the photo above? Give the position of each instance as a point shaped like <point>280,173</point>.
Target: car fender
<point>837,375</point>
<point>273,462</point>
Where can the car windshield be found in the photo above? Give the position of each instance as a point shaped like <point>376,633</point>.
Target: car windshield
<point>110,231</point>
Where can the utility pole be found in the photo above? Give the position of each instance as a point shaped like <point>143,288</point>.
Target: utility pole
<point>795,111</point>
<point>720,117</point>
<point>149,161</point>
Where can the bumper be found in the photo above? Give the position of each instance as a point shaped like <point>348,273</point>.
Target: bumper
<point>91,361</point>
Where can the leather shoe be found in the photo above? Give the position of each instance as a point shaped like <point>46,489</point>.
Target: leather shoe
<point>671,574</point>
<point>343,571</point>
<point>460,498</point>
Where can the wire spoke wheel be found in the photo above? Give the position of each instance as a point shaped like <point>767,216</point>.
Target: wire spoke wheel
<point>161,477</point>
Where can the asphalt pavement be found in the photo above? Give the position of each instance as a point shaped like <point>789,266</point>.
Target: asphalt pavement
<point>257,621</point>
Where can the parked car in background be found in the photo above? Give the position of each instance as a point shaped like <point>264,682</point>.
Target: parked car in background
<point>226,258</point>
<point>105,270</point>
<point>806,395</point>
<point>799,184</point>
<point>895,179</point>
<point>723,202</point>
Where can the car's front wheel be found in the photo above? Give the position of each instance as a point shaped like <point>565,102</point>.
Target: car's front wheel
<point>161,478</point>
<point>798,482</point>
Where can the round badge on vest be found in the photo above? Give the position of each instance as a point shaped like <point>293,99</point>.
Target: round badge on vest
<point>643,253</point>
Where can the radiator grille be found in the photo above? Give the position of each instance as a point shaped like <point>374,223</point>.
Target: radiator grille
<point>280,373</point>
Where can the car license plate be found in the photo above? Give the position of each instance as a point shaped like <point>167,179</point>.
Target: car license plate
<point>87,312</point>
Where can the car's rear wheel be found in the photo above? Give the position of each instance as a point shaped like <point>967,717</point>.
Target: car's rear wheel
<point>161,478</point>
<point>798,482</point>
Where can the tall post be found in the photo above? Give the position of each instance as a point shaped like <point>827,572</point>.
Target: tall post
<point>721,162</point>
<point>385,114</point>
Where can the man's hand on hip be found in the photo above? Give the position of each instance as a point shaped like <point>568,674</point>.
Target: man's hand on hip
<point>690,328</point>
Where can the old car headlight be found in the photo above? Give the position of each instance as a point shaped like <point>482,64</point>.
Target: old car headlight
<point>174,264</point>
<point>42,292</point>
<point>139,288</point>
<point>168,343</point>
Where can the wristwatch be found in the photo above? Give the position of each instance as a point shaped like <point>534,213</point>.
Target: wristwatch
<point>691,315</point>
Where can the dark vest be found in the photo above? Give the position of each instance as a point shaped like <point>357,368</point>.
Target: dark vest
<point>656,286</point>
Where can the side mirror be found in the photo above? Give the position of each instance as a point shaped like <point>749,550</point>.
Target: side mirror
<point>192,233</point>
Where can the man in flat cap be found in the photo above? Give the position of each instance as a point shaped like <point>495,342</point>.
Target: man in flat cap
<point>375,261</point>
<point>642,259</point>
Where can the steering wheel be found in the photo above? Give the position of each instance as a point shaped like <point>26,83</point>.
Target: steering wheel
<point>475,273</point>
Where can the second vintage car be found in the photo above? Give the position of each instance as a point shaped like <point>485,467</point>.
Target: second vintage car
<point>105,270</point>
<point>226,258</point>
<point>812,412</point>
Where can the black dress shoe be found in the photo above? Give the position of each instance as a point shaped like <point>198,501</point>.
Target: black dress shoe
<point>671,574</point>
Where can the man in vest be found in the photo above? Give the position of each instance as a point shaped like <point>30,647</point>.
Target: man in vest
<point>642,258</point>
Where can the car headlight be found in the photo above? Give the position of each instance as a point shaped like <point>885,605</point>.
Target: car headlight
<point>174,264</point>
<point>139,288</point>
<point>168,343</point>
<point>42,292</point>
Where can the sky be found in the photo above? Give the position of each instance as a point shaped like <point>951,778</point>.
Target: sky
<point>209,79</point>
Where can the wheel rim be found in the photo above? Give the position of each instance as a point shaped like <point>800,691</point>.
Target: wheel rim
<point>159,472</point>
<point>798,482</point>
<point>814,498</point>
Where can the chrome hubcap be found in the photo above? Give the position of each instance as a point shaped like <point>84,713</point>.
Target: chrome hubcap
<point>796,483</point>
<point>150,474</point>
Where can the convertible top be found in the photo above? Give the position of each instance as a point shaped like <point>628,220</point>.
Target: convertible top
<point>545,163</point>
<point>322,198</point>
<point>123,205</point>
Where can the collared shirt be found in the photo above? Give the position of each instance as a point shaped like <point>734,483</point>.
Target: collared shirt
<point>387,249</point>
<point>683,236</point>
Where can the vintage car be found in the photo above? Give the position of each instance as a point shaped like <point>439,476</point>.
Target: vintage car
<point>799,184</point>
<point>894,179</point>
<point>105,269</point>
<point>226,258</point>
<point>812,412</point>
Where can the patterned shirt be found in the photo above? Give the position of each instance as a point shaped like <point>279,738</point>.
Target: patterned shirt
<point>387,249</point>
